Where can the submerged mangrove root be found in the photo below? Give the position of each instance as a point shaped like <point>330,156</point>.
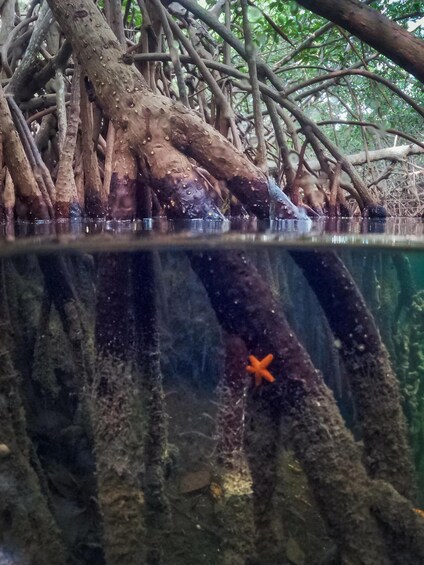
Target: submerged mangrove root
<point>401,524</point>
<point>231,403</point>
<point>115,407</point>
<point>116,434</point>
<point>409,342</point>
<point>28,532</point>
<point>261,443</point>
<point>59,286</point>
<point>107,395</point>
<point>374,385</point>
<point>157,510</point>
<point>324,447</point>
<point>406,284</point>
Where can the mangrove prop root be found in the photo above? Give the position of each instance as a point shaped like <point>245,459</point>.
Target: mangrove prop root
<point>406,283</point>
<point>118,454</point>
<point>231,402</point>
<point>324,447</point>
<point>28,532</point>
<point>374,385</point>
<point>114,323</point>
<point>404,527</point>
<point>261,441</point>
<point>114,414</point>
<point>158,514</point>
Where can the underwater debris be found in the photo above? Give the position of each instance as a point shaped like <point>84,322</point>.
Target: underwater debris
<point>4,451</point>
<point>195,481</point>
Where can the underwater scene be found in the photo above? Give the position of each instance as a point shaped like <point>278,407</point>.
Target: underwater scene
<point>212,397</point>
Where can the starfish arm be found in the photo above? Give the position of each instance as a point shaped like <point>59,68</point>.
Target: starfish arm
<point>254,361</point>
<point>251,369</point>
<point>267,375</point>
<point>266,361</point>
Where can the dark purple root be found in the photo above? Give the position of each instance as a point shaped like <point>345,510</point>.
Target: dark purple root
<point>122,198</point>
<point>374,212</point>
<point>254,195</point>
<point>71,210</point>
<point>94,206</point>
<point>31,208</point>
<point>186,199</point>
<point>231,412</point>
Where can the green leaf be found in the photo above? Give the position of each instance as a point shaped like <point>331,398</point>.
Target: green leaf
<point>294,8</point>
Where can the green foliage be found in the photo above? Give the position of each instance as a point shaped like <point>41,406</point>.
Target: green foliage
<point>351,98</point>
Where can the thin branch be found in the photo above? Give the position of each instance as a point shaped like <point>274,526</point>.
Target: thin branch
<point>391,131</point>
<point>43,113</point>
<point>341,73</point>
<point>25,69</point>
<point>251,57</point>
<point>175,57</point>
<point>304,45</point>
<point>200,63</point>
<point>271,22</point>
<point>61,107</point>
<point>398,153</point>
<point>281,141</point>
<point>385,175</point>
<point>5,48</point>
<point>47,72</point>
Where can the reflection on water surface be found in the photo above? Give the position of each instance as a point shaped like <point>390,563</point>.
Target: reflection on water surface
<point>92,235</point>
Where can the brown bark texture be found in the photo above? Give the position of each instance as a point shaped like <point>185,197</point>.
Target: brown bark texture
<point>163,136</point>
<point>114,324</point>
<point>123,186</point>
<point>66,204</point>
<point>372,27</point>
<point>106,394</point>
<point>114,413</point>
<point>261,443</point>
<point>30,204</point>
<point>95,199</point>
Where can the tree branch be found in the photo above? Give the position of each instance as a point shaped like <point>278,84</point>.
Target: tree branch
<point>372,27</point>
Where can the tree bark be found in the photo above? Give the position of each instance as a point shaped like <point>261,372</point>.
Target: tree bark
<point>162,135</point>
<point>123,185</point>
<point>66,204</point>
<point>389,38</point>
<point>388,153</point>
<point>30,202</point>
<point>95,199</point>
<point>231,402</point>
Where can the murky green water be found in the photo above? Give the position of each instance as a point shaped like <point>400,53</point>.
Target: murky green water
<point>132,432</point>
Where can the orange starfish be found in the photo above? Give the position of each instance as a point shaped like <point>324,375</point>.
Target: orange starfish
<point>259,368</point>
